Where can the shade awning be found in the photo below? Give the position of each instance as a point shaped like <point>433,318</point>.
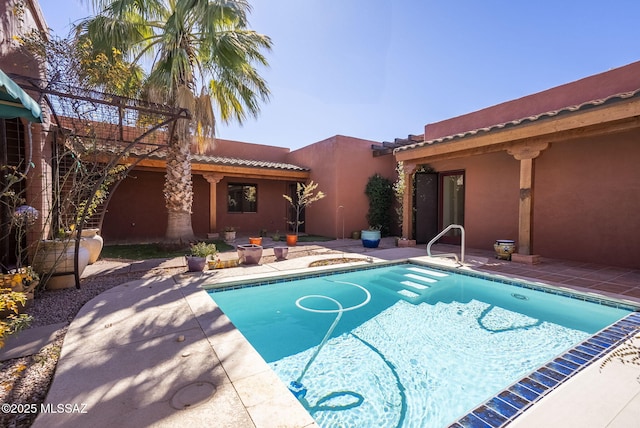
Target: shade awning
<point>15,102</point>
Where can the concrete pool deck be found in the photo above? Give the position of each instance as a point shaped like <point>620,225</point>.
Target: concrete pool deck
<point>158,352</point>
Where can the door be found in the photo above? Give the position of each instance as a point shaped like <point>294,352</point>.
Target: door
<point>426,203</point>
<point>451,204</point>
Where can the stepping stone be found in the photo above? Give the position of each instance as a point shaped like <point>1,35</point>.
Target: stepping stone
<point>29,341</point>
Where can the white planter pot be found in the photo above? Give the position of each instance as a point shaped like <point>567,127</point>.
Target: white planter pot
<point>92,242</point>
<point>57,256</point>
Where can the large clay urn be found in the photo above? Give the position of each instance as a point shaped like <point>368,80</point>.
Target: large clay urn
<point>93,242</point>
<point>54,262</point>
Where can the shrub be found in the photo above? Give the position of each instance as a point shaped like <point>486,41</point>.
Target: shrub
<point>379,190</point>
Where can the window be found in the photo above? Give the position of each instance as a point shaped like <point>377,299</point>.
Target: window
<point>242,198</point>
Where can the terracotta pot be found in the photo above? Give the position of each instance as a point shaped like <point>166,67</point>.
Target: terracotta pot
<point>292,240</point>
<point>255,241</point>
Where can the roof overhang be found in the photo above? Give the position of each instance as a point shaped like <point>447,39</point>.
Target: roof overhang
<point>253,172</point>
<point>15,102</point>
<point>614,115</point>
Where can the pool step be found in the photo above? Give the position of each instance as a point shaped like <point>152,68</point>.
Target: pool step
<point>411,284</point>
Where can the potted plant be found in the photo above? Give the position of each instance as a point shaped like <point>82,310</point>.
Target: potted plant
<point>229,234</point>
<point>304,197</point>
<point>200,251</point>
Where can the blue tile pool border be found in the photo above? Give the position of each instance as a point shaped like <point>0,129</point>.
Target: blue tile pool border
<point>504,407</point>
<point>520,396</point>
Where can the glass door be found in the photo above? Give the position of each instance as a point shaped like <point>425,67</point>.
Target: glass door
<point>451,204</point>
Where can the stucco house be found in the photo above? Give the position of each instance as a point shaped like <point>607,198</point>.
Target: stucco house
<point>240,185</point>
<point>556,171</point>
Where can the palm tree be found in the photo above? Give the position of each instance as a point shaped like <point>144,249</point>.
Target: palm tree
<point>201,52</point>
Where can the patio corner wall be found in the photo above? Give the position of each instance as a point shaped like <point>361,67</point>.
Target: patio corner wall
<point>341,165</point>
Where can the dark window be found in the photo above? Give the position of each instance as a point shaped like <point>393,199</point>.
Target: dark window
<point>242,198</point>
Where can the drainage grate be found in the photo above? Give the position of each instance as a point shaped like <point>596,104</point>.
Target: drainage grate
<point>192,395</point>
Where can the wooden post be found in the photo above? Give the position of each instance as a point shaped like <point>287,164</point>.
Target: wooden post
<point>407,200</point>
<point>213,180</point>
<point>526,154</point>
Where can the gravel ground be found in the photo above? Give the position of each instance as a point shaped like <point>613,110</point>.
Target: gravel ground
<point>26,380</point>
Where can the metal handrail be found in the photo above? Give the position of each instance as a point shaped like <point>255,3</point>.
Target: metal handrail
<point>440,235</point>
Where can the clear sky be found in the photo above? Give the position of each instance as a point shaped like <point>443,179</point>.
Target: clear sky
<point>381,69</point>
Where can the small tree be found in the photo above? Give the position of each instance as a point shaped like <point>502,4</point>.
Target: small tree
<point>304,197</point>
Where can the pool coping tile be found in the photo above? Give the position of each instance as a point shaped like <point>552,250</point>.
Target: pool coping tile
<point>555,373</point>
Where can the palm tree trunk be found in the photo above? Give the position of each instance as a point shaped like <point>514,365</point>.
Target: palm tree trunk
<point>178,191</point>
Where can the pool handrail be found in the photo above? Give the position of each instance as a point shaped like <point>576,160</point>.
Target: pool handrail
<point>440,235</point>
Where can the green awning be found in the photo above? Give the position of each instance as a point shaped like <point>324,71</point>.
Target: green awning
<point>14,102</point>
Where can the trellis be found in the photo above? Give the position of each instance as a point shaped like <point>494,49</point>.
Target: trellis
<point>92,134</point>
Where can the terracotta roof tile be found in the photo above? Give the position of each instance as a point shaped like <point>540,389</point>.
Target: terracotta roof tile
<point>525,120</point>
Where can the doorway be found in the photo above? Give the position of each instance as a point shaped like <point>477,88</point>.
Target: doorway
<point>426,206</point>
<point>451,204</point>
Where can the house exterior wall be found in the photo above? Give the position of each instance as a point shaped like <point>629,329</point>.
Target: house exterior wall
<point>146,219</point>
<point>272,208</point>
<point>491,196</point>
<point>18,18</point>
<point>241,150</point>
<point>598,86</point>
<point>136,210</point>
<point>341,166</point>
<point>587,200</point>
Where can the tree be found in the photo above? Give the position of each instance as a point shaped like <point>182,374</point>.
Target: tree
<point>303,198</point>
<point>201,53</point>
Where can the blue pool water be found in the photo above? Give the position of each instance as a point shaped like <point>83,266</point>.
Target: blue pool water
<point>409,345</point>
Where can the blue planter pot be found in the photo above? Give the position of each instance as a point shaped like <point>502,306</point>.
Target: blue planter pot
<point>370,238</point>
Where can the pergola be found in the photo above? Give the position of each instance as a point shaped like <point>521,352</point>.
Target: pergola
<point>90,133</point>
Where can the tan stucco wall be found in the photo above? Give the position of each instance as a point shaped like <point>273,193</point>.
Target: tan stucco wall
<point>241,150</point>
<point>136,212</point>
<point>491,197</point>
<point>598,86</point>
<point>272,208</point>
<point>341,166</point>
<point>587,200</point>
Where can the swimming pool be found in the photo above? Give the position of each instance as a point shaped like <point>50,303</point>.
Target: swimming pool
<point>413,345</point>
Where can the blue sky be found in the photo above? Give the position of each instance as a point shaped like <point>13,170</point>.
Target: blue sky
<point>381,69</point>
